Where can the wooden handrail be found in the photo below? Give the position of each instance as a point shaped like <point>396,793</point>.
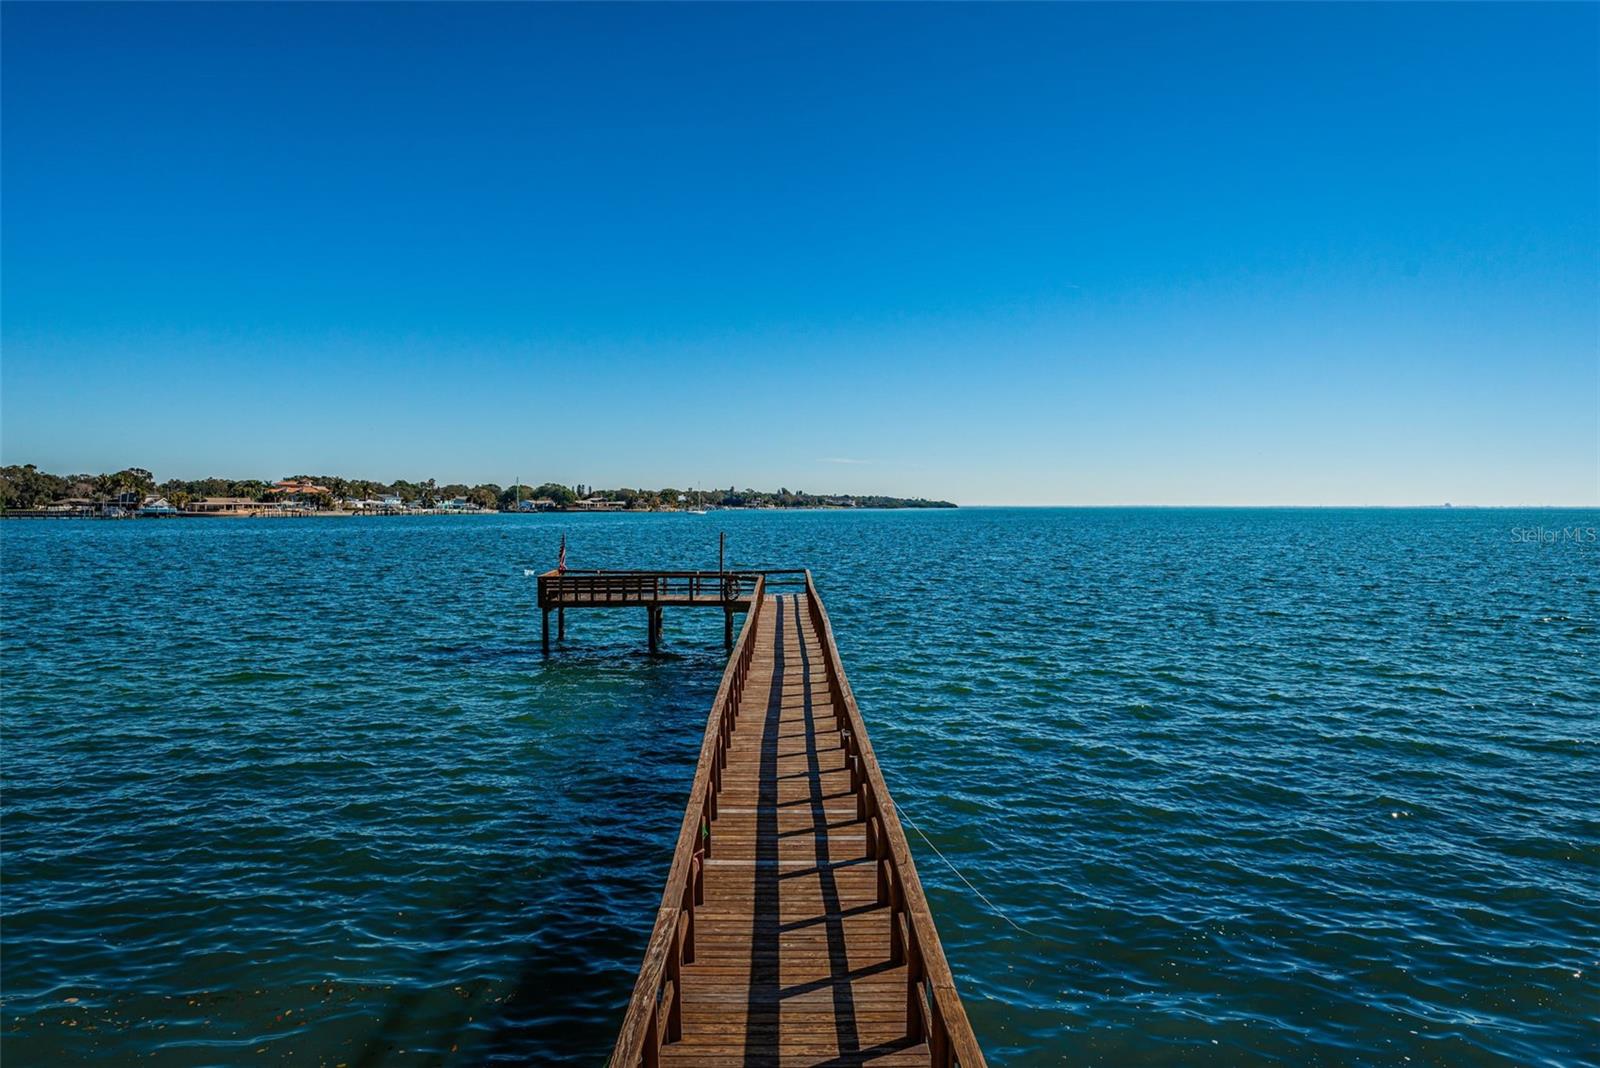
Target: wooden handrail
<point>647,572</point>
<point>934,1009</point>
<point>625,587</point>
<point>796,574</point>
<point>655,1014</point>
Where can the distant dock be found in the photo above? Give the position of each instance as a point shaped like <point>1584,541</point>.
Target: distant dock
<point>793,928</point>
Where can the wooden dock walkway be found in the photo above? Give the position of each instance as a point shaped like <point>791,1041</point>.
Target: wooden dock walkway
<point>793,929</point>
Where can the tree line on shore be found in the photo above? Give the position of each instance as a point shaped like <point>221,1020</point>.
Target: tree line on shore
<point>25,486</point>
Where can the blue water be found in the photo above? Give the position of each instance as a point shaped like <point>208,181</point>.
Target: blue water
<point>1244,787</point>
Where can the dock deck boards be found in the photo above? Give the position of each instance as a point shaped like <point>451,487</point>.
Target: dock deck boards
<point>792,948</point>
<point>793,929</point>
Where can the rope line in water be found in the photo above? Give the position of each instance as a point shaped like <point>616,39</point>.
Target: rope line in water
<point>992,906</point>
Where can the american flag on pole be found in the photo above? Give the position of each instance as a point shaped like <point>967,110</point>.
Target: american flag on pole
<point>561,557</point>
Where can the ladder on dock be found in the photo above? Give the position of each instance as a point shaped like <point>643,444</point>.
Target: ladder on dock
<point>793,929</point>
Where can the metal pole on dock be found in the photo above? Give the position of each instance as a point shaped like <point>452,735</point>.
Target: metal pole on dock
<point>727,594</point>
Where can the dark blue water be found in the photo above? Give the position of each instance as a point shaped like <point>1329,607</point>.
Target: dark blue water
<point>1301,787</point>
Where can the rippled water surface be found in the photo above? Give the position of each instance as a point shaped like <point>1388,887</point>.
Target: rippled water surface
<point>1301,787</point>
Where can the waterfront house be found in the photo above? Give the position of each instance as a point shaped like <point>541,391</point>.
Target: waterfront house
<point>153,505</point>
<point>376,505</point>
<point>598,504</point>
<point>301,492</point>
<point>74,506</point>
<point>223,506</point>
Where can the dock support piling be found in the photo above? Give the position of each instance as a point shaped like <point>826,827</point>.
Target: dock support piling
<point>561,624</point>
<point>656,615</point>
<point>727,630</point>
<point>547,631</point>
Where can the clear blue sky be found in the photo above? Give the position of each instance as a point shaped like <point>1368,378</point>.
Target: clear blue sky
<point>1031,254</point>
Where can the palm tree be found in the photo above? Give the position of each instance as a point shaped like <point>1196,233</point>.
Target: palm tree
<point>106,487</point>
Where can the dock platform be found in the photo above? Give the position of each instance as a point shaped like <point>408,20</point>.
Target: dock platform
<point>654,591</point>
<point>793,929</point>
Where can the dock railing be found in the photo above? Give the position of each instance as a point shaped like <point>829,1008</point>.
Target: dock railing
<point>655,1014</point>
<point>934,1011</point>
<point>643,587</point>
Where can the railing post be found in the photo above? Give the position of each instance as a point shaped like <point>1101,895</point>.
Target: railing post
<point>652,1039</point>
<point>858,784</point>
<point>674,999</point>
<point>687,912</point>
<point>897,943</point>
<point>938,1034</point>
<point>915,1005</point>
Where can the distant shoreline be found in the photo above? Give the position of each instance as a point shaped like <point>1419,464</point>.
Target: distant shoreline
<point>27,492</point>
<point>336,513</point>
<point>332,513</point>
